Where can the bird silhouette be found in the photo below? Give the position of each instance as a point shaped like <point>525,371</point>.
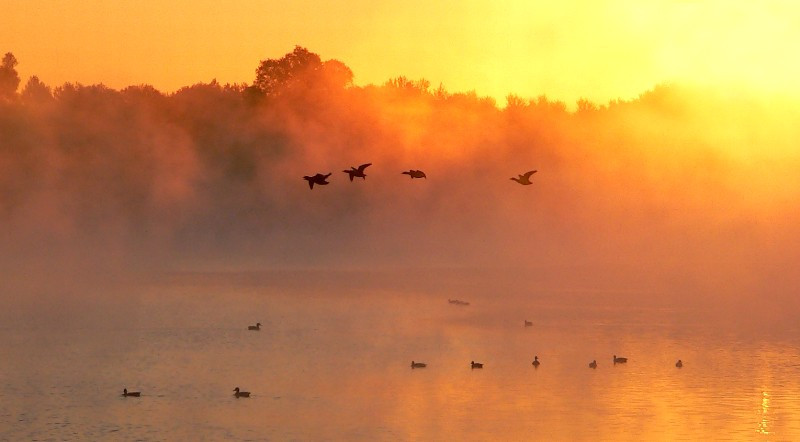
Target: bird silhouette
<point>413,173</point>
<point>256,327</point>
<point>357,172</point>
<point>593,364</point>
<point>536,362</point>
<point>679,364</point>
<point>127,393</point>
<point>319,179</point>
<point>620,360</point>
<point>418,364</point>
<point>525,178</point>
<point>238,393</point>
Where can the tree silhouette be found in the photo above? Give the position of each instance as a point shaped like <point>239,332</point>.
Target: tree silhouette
<point>36,92</point>
<point>302,69</point>
<point>9,78</point>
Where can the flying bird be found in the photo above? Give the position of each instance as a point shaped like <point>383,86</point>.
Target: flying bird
<point>525,179</point>
<point>357,172</point>
<point>413,173</point>
<point>316,179</point>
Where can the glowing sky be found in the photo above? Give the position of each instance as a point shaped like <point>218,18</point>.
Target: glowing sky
<point>569,49</point>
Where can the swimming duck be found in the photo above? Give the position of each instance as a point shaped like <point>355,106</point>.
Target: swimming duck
<point>256,327</point>
<point>679,364</point>
<point>476,364</point>
<point>536,361</point>
<point>357,172</point>
<point>127,393</point>
<point>620,360</point>
<point>418,364</point>
<point>525,178</point>
<point>239,394</point>
<point>317,179</point>
<point>593,364</point>
<point>528,323</point>
<point>413,173</point>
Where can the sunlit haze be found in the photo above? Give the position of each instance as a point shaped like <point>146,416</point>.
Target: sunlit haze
<point>566,50</point>
<point>304,201</point>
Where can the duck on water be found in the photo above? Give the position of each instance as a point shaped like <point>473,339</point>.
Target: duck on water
<point>127,393</point>
<point>238,393</point>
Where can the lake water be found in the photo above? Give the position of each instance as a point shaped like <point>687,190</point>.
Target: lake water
<point>332,362</point>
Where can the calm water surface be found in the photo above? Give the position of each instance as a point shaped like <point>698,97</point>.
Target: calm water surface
<point>335,365</point>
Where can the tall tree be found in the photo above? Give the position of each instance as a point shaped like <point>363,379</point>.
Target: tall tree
<point>9,78</point>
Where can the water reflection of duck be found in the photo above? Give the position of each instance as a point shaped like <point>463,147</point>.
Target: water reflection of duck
<point>127,393</point>
<point>679,364</point>
<point>620,360</point>
<point>418,364</point>
<point>256,327</point>
<point>536,361</point>
<point>476,364</point>
<point>239,394</point>
<point>593,364</point>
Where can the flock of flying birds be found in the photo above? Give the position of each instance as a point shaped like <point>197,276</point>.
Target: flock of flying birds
<point>358,172</point>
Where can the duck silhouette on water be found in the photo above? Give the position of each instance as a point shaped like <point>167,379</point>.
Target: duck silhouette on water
<point>679,364</point>
<point>413,173</point>
<point>525,178</point>
<point>536,362</point>
<point>593,364</point>
<point>357,172</point>
<point>238,393</point>
<point>474,364</point>
<point>418,364</point>
<point>256,327</point>
<point>127,393</point>
<point>318,179</point>
<point>620,360</point>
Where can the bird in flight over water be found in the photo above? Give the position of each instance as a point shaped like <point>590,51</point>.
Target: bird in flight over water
<point>415,174</point>
<point>357,172</point>
<point>319,179</point>
<point>525,178</point>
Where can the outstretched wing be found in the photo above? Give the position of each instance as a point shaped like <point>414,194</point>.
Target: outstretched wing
<point>528,174</point>
<point>363,166</point>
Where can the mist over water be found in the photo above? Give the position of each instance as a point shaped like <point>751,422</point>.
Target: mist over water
<point>677,208</point>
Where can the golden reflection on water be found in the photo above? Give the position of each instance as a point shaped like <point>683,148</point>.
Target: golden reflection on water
<point>763,425</point>
<point>337,368</point>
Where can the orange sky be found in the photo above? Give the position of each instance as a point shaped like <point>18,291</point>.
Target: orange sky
<point>600,50</point>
